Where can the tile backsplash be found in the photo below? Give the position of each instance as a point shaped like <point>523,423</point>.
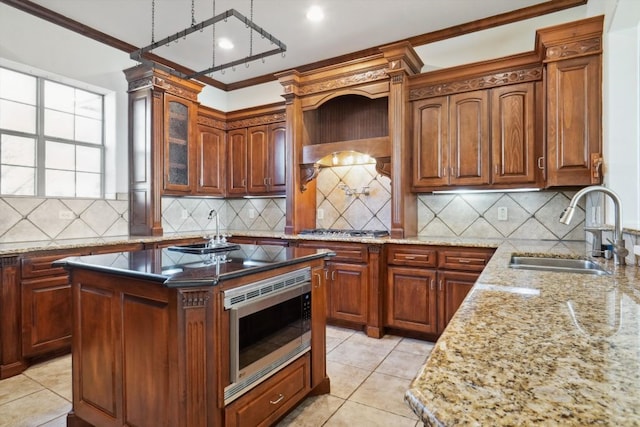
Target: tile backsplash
<point>527,215</point>
<point>30,219</point>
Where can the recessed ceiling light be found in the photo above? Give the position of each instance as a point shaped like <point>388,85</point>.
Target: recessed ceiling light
<point>225,44</point>
<point>315,14</point>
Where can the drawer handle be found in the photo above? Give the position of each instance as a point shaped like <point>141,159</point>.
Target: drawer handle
<point>278,400</point>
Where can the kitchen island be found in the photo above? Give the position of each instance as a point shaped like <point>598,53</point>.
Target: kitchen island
<point>152,337</point>
<point>537,348</point>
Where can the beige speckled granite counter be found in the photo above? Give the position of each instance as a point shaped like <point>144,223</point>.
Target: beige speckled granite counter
<point>529,347</point>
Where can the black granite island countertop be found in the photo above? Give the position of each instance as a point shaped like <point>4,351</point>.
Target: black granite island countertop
<point>178,269</point>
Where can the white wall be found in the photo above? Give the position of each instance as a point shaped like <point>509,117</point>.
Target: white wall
<point>621,99</point>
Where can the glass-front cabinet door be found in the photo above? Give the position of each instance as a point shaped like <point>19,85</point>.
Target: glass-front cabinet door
<point>178,147</point>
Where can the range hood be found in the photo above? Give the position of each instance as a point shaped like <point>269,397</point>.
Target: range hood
<point>353,152</point>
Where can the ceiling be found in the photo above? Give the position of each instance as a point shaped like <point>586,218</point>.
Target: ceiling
<point>349,26</point>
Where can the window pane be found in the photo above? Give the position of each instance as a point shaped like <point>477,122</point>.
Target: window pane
<point>88,185</point>
<point>17,86</point>
<point>17,150</point>
<point>17,180</point>
<point>88,130</point>
<point>59,97</point>
<point>88,159</point>
<point>60,183</point>
<point>88,104</point>
<point>58,124</point>
<point>60,156</point>
<point>17,116</point>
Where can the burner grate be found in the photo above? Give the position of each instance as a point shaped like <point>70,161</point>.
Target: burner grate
<point>333,232</point>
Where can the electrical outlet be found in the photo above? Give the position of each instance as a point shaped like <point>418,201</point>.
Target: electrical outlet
<point>66,215</point>
<point>503,213</point>
<point>184,214</point>
<point>252,213</point>
<point>320,214</point>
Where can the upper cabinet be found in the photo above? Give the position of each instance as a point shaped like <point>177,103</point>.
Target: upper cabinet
<point>574,113</point>
<point>179,147</point>
<point>256,152</point>
<point>211,154</point>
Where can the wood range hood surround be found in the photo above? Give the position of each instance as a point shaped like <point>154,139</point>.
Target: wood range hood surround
<point>354,106</point>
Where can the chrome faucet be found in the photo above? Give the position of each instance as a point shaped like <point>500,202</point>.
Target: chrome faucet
<point>217,238</point>
<point>619,251</point>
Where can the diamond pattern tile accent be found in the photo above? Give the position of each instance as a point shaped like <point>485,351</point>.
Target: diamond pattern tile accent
<point>517,215</point>
<point>353,212</point>
<point>458,215</point>
<point>481,228</point>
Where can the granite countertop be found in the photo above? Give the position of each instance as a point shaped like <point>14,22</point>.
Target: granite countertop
<point>535,347</point>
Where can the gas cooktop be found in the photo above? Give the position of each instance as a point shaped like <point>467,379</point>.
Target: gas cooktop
<point>333,232</point>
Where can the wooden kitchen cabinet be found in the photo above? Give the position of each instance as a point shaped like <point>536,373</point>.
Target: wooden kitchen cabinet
<point>515,146</point>
<point>454,287</point>
<point>348,292</point>
<point>574,121</point>
<point>266,167</point>
<point>237,162</point>
<point>451,141</point>
<point>211,159</point>
<point>411,299</point>
<point>179,159</point>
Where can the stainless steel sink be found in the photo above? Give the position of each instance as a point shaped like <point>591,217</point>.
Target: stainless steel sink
<point>205,248</point>
<point>560,265</point>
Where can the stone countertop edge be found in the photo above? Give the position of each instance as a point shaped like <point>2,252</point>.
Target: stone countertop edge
<point>537,347</point>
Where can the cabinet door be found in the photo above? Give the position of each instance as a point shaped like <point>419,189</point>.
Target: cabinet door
<point>348,292</point>
<point>469,138</point>
<point>411,299</point>
<point>210,161</point>
<point>454,287</point>
<point>430,142</point>
<point>277,158</point>
<point>178,156</point>
<point>237,162</point>
<point>574,120</point>
<point>513,134</point>
<point>258,160</point>
<point>46,315</point>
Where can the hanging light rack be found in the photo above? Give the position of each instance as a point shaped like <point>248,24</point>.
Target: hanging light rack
<point>138,55</point>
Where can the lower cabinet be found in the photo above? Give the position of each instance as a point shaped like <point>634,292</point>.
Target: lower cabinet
<point>426,285</point>
<point>348,292</point>
<point>269,401</point>
<point>411,299</point>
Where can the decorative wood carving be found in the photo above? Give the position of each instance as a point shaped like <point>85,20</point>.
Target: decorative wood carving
<point>257,121</point>
<point>480,82</point>
<point>194,298</point>
<point>578,48</point>
<point>208,121</point>
<point>344,81</point>
<point>383,166</point>
<point>307,173</point>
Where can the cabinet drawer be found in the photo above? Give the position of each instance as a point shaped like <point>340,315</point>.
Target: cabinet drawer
<point>266,403</point>
<point>468,260</point>
<point>39,266</point>
<point>416,256</point>
<point>349,252</point>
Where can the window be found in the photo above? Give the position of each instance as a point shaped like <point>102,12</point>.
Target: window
<point>51,138</point>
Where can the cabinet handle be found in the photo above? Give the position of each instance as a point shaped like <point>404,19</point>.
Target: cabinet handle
<point>440,285</point>
<point>265,181</point>
<point>243,183</point>
<point>497,168</point>
<point>317,285</point>
<point>333,275</point>
<point>432,286</point>
<point>278,400</point>
<point>444,171</point>
<point>540,160</point>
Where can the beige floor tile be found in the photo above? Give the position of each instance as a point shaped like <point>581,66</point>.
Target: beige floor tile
<point>54,375</point>
<point>33,410</point>
<point>401,364</point>
<point>333,343</point>
<point>16,387</point>
<point>313,411</point>
<point>352,414</point>
<point>386,343</point>
<point>345,379</point>
<point>384,392</point>
<point>339,333</point>
<point>358,354</point>
<point>410,345</point>
<point>58,422</point>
